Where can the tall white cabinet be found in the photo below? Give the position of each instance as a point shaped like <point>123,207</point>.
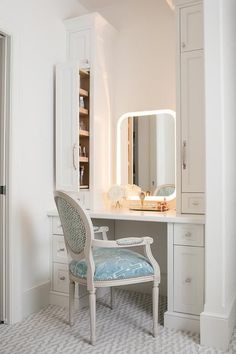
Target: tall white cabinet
<point>190,107</point>
<point>90,41</point>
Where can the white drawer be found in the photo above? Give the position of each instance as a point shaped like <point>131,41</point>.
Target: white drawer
<point>193,203</point>
<point>189,234</point>
<point>59,253</point>
<point>60,278</point>
<point>56,226</point>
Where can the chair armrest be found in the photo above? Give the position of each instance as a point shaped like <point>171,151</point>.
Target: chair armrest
<point>99,229</point>
<point>123,242</point>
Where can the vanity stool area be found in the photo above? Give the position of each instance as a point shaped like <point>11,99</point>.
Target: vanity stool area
<point>178,239</point>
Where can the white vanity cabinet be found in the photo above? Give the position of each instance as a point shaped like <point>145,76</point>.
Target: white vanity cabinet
<point>190,108</point>
<point>185,276</point>
<point>90,41</point>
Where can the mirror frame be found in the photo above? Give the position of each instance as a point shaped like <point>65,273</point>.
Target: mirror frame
<point>118,146</point>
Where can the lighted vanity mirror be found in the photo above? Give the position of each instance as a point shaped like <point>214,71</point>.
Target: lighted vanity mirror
<point>146,152</point>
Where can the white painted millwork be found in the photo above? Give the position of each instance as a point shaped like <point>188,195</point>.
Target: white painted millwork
<point>60,278</point>
<point>67,113</point>
<point>190,108</point>
<point>189,235</point>
<point>85,50</point>
<point>79,47</point>
<point>192,121</point>
<point>188,279</point>
<point>193,203</point>
<point>191,30</point>
<point>185,261</point>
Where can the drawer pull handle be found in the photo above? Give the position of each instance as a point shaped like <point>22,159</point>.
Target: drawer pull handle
<point>195,203</point>
<point>188,280</point>
<point>61,250</point>
<point>59,226</point>
<point>184,164</point>
<point>62,278</point>
<point>188,234</point>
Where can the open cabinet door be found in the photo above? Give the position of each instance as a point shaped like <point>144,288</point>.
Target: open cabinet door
<point>67,115</point>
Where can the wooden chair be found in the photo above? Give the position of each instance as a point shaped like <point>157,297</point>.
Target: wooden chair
<point>102,263</point>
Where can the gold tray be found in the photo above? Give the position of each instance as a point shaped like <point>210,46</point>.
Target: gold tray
<point>148,208</point>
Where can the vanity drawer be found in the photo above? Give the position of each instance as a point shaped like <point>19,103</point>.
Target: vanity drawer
<point>56,226</point>
<point>60,278</point>
<point>59,253</point>
<point>193,203</point>
<point>189,235</point>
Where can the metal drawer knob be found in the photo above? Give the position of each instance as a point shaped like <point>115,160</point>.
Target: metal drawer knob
<point>61,250</point>
<point>183,45</point>
<point>188,280</point>
<point>62,278</point>
<point>188,234</point>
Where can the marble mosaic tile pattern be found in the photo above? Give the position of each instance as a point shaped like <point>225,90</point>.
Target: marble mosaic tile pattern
<point>124,330</point>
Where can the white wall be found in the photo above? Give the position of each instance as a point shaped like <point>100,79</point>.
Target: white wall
<point>219,315</point>
<point>38,43</point>
<point>144,65</point>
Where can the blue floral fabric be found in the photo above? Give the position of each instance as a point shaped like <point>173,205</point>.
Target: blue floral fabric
<point>114,263</point>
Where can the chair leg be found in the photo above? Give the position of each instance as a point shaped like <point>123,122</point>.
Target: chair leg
<point>155,301</point>
<point>92,306</point>
<point>112,294</point>
<point>71,302</point>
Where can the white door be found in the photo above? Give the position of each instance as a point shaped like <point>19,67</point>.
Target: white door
<point>188,279</point>
<point>191,28</point>
<point>2,175</point>
<point>192,122</point>
<point>67,115</point>
<point>79,47</point>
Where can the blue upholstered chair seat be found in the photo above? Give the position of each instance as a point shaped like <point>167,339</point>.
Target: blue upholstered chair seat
<point>112,264</point>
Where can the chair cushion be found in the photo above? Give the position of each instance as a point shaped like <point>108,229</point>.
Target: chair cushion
<point>114,263</point>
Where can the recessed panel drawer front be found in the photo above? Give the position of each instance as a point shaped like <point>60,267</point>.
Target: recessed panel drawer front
<point>193,203</point>
<point>60,277</point>
<point>189,235</point>
<point>188,279</point>
<point>59,249</point>
<point>56,226</point>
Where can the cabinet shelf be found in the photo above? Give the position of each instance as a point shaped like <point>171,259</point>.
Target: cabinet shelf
<point>83,73</point>
<point>83,133</point>
<point>83,92</point>
<point>83,159</point>
<point>83,111</point>
<point>84,187</point>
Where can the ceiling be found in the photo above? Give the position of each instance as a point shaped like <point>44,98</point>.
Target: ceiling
<point>93,5</point>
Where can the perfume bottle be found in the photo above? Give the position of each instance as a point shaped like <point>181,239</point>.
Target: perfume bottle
<point>81,102</point>
<point>81,175</point>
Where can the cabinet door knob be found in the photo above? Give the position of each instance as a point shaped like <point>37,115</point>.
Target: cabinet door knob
<point>183,45</point>
<point>188,234</point>
<point>188,280</point>
<point>62,278</point>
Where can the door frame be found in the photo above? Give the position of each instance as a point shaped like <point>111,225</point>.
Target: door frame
<point>7,264</point>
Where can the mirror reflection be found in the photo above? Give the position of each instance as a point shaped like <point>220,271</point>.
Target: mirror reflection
<point>148,153</point>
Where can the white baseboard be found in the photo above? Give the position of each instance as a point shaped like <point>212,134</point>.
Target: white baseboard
<point>182,322</point>
<point>62,299</point>
<point>35,299</point>
<point>216,330</point>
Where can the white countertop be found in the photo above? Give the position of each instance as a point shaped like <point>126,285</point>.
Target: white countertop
<point>151,216</point>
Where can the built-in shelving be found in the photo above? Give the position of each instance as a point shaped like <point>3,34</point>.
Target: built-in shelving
<point>84,127</point>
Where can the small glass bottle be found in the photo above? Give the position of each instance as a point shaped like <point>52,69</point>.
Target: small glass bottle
<point>81,102</point>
